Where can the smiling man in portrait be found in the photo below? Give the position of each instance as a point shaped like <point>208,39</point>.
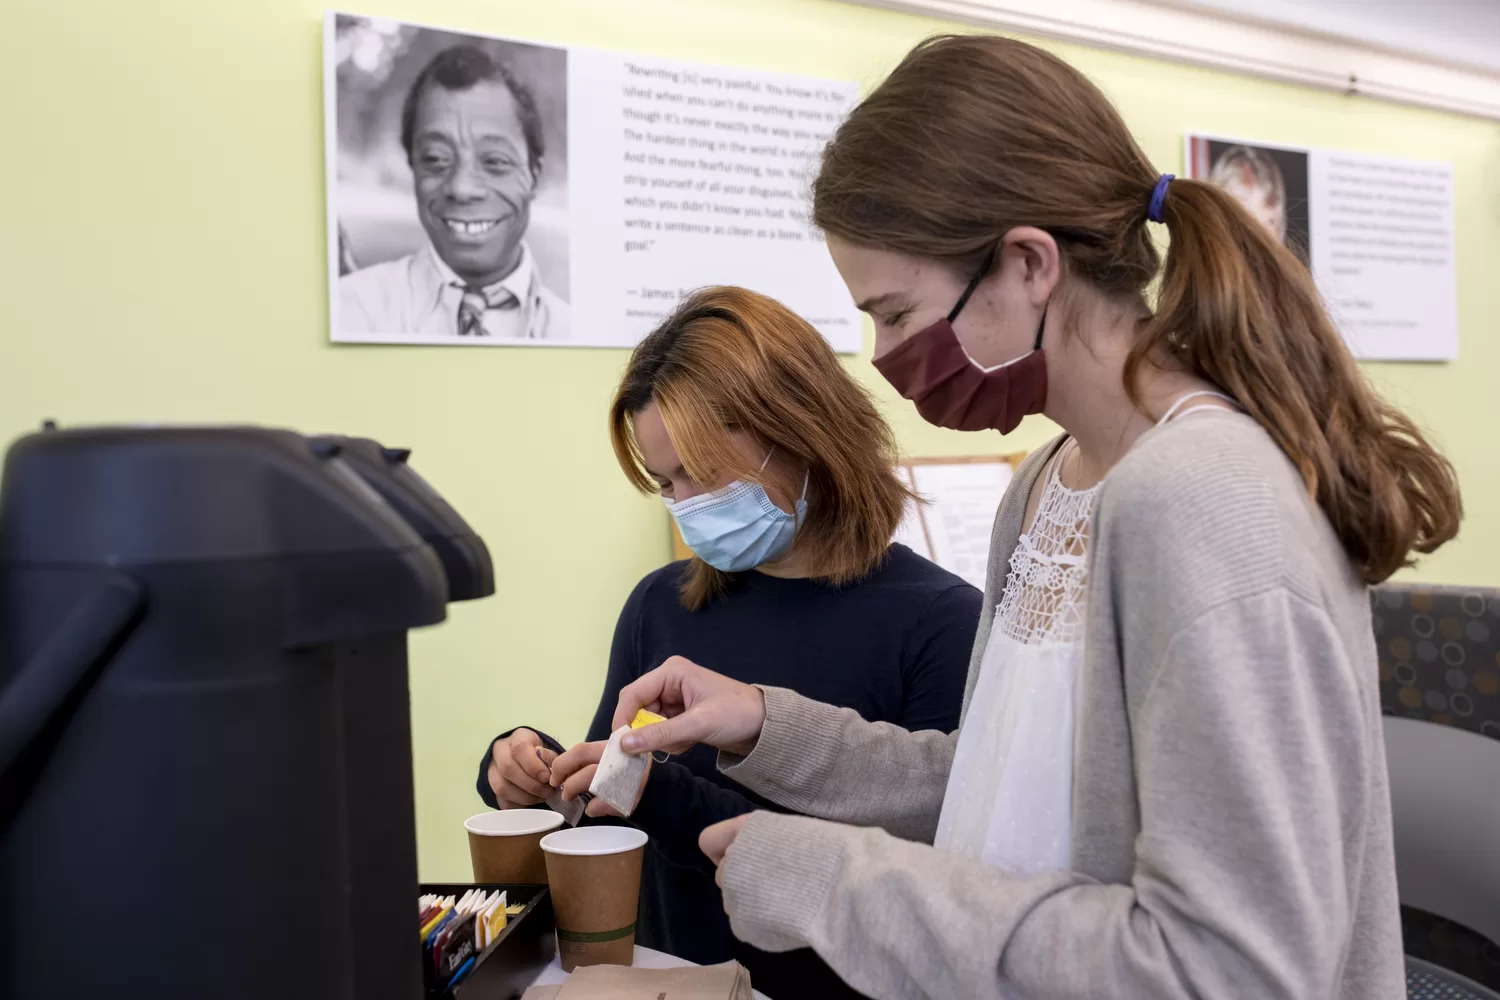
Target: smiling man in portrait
<point>473,139</point>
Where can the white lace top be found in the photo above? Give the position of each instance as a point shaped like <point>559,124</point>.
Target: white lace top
<point>1009,794</point>
<point>1009,801</point>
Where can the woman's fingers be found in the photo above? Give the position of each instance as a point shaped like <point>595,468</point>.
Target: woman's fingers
<point>578,783</point>
<point>512,796</point>
<point>702,707</point>
<point>492,775</point>
<point>525,750</point>
<point>676,735</point>
<point>598,807</point>
<point>515,774</point>
<point>716,840</point>
<point>659,691</point>
<point>580,756</point>
<point>517,778</point>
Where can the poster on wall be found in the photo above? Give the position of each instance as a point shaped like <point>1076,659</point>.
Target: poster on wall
<point>1376,231</point>
<point>486,190</point>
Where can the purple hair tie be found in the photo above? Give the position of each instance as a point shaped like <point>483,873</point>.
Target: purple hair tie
<point>1159,195</point>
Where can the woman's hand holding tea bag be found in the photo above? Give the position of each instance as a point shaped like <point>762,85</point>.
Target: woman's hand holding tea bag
<point>700,705</point>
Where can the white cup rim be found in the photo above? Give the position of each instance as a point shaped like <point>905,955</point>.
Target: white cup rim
<point>513,822</point>
<point>593,841</point>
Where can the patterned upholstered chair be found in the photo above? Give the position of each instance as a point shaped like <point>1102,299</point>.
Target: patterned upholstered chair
<point>1440,692</point>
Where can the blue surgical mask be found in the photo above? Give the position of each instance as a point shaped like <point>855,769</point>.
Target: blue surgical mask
<point>738,527</point>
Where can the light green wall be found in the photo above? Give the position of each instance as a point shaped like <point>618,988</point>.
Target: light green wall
<point>163,259</point>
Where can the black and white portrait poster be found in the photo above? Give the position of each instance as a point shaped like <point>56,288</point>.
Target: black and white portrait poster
<point>1376,231</point>
<point>495,191</point>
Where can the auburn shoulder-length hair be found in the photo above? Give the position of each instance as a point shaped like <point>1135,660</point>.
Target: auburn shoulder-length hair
<point>731,359</point>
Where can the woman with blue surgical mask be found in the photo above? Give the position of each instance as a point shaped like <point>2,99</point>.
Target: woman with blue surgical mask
<point>738,527</point>
<point>778,471</point>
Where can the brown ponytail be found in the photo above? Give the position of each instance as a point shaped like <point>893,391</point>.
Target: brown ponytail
<point>1240,310</point>
<point>973,135</point>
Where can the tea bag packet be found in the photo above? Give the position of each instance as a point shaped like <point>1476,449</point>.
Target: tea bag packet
<point>645,718</point>
<point>571,812</point>
<point>450,950</point>
<point>492,921</point>
<point>618,778</point>
<point>455,931</point>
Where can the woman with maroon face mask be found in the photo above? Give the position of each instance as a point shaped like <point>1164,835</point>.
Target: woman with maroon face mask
<point>1169,777</point>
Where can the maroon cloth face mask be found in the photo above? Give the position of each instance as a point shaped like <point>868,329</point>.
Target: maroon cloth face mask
<point>932,370</point>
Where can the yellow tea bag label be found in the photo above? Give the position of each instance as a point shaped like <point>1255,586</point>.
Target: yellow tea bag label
<point>494,923</point>
<point>645,718</point>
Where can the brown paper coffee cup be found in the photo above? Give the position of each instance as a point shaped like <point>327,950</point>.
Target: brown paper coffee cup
<point>506,846</point>
<point>595,874</point>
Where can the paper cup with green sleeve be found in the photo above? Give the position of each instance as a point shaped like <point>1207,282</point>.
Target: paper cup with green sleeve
<point>595,876</point>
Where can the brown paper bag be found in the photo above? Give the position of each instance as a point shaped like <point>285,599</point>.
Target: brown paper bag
<point>729,981</point>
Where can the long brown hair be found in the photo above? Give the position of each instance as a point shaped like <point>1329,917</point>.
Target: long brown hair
<point>730,359</point>
<point>973,135</point>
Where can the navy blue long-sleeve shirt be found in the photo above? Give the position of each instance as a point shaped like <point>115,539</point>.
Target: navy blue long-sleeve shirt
<point>893,646</point>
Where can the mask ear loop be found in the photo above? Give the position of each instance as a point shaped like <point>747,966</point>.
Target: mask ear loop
<point>806,476</point>
<point>963,300</point>
<point>802,500</point>
<point>664,756</point>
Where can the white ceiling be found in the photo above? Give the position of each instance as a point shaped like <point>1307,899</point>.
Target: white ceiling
<point>1461,32</point>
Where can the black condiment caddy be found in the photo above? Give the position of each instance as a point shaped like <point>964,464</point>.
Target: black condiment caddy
<point>517,956</point>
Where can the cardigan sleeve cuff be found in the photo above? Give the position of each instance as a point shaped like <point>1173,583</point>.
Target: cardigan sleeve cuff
<point>798,747</point>
<point>777,877</point>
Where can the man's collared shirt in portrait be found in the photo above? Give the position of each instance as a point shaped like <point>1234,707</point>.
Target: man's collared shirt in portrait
<point>420,295</point>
